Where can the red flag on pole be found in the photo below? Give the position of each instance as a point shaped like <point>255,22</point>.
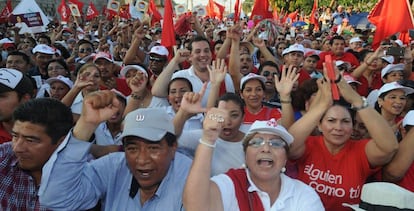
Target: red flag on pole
<point>261,10</point>
<point>237,11</point>
<point>124,12</point>
<point>390,17</point>
<point>6,12</point>
<point>91,12</point>
<point>168,34</point>
<point>215,9</point>
<point>312,19</point>
<point>153,12</point>
<point>64,11</point>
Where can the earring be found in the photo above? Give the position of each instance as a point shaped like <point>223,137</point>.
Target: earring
<point>244,166</point>
<point>283,170</point>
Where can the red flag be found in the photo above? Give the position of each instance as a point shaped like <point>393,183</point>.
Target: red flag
<point>261,10</point>
<point>168,34</point>
<point>404,37</point>
<point>237,11</point>
<point>312,19</point>
<point>293,16</point>
<point>124,12</point>
<point>390,17</point>
<point>80,4</point>
<point>153,12</point>
<point>215,9</point>
<point>64,11</point>
<point>182,26</point>
<point>6,12</point>
<point>91,12</point>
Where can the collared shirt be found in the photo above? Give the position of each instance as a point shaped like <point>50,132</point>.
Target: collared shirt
<point>17,188</point>
<point>198,84</point>
<point>107,178</point>
<point>293,195</point>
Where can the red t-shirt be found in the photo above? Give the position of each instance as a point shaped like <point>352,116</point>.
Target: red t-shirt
<point>265,114</point>
<point>408,180</point>
<point>336,178</point>
<point>347,57</point>
<point>121,86</point>
<point>4,135</point>
<point>364,89</point>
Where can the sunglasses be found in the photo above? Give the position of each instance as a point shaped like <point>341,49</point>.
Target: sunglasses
<point>274,143</point>
<point>157,59</point>
<point>84,50</point>
<point>267,73</point>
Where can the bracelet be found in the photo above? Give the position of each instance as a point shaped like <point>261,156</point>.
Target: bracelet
<point>338,80</point>
<point>207,144</point>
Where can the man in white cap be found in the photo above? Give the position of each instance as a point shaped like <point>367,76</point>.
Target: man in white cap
<point>15,89</point>
<point>149,175</point>
<point>158,57</point>
<point>295,55</point>
<point>42,54</point>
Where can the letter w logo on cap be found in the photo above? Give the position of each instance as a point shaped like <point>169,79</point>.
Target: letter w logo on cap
<point>140,118</point>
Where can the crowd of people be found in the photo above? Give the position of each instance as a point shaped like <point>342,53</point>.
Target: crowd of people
<point>100,115</point>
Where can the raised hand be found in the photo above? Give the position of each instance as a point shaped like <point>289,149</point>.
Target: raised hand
<point>99,106</point>
<point>258,42</point>
<point>181,55</point>
<point>285,85</point>
<point>82,82</point>
<point>217,71</point>
<point>191,101</point>
<point>214,121</point>
<point>138,82</point>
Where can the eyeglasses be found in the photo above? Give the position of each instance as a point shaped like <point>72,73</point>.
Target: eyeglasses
<point>156,59</point>
<point>274,143</point>
<point>267,73</point>
<point>342,68</point>
<point>84,50</point>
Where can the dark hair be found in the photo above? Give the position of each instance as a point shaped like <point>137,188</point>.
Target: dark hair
<point>232,97</point>
<point>25,57</point>
<point>198,39</point>
<point>267,63</point>
<point>61,62</point>
<point>180,79</point>
<point>304,93</point>
<point>337,37</point>
<point>50,113</point>
<point>83,41</point>
<point>347,106</point>
<point>363,53</point>
<point>49,41</point>
<point>170,139</point>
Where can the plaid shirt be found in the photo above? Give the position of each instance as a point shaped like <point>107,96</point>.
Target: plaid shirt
<point>17,188</point>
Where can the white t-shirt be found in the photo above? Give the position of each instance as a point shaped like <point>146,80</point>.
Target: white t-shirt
<point>294,195</point>
<point>197,83</point>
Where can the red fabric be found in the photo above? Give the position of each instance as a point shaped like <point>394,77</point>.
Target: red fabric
<point>78,3</point>
<point>265,113</point>
<point>261,10</point>
<point>241,186</point>
<point>347,57</point>
<point>168,34</point>
<point>121,86</point>
<point>182,26</point>
<point>336,178</point>
<point>405,37</point>
<point>64,11</point>
<point>237,11</point>
<point>91,12</point>
<point>6,12</point>
<point>303,76</point>
<point>408,180</point>
<point>215,10</point>
<point>312,19</point>
<point>364,88</point>
<point>5,136</point>
<point>386,14</point>
<point>293,16</point>
<point>153,12</point>
<point>124,12</point>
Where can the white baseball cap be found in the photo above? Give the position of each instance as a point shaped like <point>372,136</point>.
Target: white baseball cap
<point>251,76</point>
<point>43,48</point>
<point>62,79</point>
<point>388,59</point>
<point>125,70</point>
<point>103,55</point>
<point>393,86</point>
<point>159,50</point>
<point>408,119</point>
<point>350,79</point>
<point>294,48</point>
<point>271,127</point>
<point>355,39</point>
<point>390,68</point>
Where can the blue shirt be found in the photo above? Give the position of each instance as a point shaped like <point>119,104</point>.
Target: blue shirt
<point>69,182</point>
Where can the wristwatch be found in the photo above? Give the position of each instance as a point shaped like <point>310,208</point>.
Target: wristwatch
<point>364,104</point>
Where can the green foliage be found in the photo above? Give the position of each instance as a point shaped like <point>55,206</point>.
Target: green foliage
<point>306,5</point>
